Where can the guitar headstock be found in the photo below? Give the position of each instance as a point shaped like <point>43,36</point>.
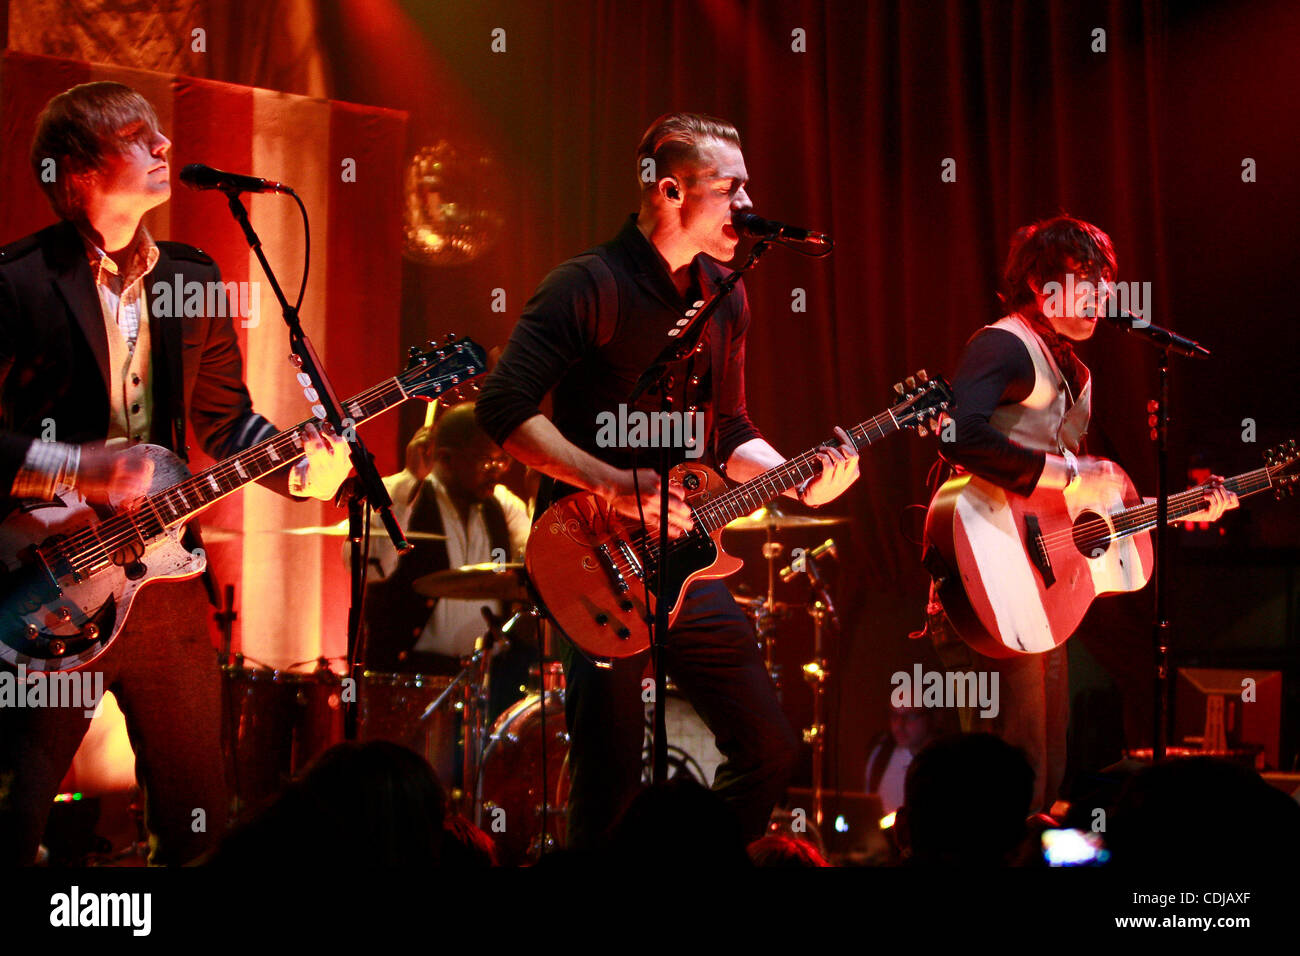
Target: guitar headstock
<point>920,402</point>
<point>448,372</point>
<point>1278,460</point>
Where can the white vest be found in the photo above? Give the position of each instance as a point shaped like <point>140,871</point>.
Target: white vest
<point>130,399</point>
<point>1049,419</point>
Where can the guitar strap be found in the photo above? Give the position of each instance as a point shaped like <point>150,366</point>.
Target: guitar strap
<point>715,333</point>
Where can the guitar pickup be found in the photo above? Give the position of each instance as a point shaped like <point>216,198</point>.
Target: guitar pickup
<point>615,575</point>
<point>1037,549</point>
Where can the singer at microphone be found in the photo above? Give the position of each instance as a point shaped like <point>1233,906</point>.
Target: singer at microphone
<point>759,228</point>
<point>597,321</point>
<point>199,176</point>
<point>1141,327</point>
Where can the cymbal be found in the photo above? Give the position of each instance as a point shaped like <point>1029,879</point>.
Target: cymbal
<point>769,517</point>
<point>337,531</point>
<point>474,582</point>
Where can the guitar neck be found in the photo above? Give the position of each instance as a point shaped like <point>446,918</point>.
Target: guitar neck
<point>185,499</point>
<point>755,493</point>
<point>1143,517</point>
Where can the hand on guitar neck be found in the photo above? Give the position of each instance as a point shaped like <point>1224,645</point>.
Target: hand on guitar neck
<point>1218,500</point>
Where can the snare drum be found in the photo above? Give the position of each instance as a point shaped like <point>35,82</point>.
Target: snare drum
<point>512,779</point>
<point>275,724</point>
<point>390,708</point>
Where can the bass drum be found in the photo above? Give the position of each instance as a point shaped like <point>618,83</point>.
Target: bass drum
<point>511,780</point>
<point>691,749</point>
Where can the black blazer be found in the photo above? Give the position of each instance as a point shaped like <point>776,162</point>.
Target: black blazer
<point>54,356</point>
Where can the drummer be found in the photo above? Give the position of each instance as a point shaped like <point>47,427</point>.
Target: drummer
<point>449,486</point>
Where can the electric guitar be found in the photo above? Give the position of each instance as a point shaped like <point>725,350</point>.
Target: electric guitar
<point>1016,574</point>
<point>590,566</point>
<point>70,570</point>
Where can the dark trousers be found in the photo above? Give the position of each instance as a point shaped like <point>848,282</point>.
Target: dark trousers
<point>713,657</point>
<point>1034,704</point>
<point>163,671</point>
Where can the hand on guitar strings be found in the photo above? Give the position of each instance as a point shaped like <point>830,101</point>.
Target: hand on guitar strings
<point>622,497</point>
<point>839,471</point>
<point>105,475</point>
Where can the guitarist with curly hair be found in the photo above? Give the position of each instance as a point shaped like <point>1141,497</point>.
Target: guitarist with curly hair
<point>1022,404</point>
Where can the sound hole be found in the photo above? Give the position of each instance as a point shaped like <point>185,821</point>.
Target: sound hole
<point>1091,535</point>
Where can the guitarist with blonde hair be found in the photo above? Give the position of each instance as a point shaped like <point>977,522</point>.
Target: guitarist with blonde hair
<point>1022,404</point>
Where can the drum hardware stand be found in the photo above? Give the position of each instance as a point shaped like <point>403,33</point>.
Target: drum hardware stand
<point>472,705</point>
<point>225,618</point>
<point>765,616</point>
<point>816,672</point>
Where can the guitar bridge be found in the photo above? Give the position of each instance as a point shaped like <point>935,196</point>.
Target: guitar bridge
<point>615,575</point>
<point>630,557</point>
<point>1037,549</point>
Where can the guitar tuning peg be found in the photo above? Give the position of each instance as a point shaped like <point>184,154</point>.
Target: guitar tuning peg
<point>898,387</point>
<point>910,381</point>
<point>474,387</point>
<point>413,352</point>
<point>451,336</point>
<point>922,377</point>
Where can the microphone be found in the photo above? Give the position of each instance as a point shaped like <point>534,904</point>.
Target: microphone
<point>199,176</point>
<point>1157,336</point>
<point>801,564</point>
<point>760,228</point>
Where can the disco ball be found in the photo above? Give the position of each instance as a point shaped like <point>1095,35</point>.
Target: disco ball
<point>453,205</point>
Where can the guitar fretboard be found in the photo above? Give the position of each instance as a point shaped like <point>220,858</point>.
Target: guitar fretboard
<point>92,547</point>
<point>1143,517</point>
<point>755,493</point>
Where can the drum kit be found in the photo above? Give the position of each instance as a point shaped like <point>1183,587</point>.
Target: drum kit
<point>513,774</point>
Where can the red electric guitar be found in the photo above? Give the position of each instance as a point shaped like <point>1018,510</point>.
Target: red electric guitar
<point>590,565</point>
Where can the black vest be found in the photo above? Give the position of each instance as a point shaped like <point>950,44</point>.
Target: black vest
<point>395,614</point>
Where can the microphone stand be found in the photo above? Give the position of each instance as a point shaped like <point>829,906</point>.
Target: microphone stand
<point>1169,343</point>
<point>685,337</point>
<point>368,485</point>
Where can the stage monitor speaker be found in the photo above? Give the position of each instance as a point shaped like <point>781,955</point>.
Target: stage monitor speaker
<point>1220,710</point>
